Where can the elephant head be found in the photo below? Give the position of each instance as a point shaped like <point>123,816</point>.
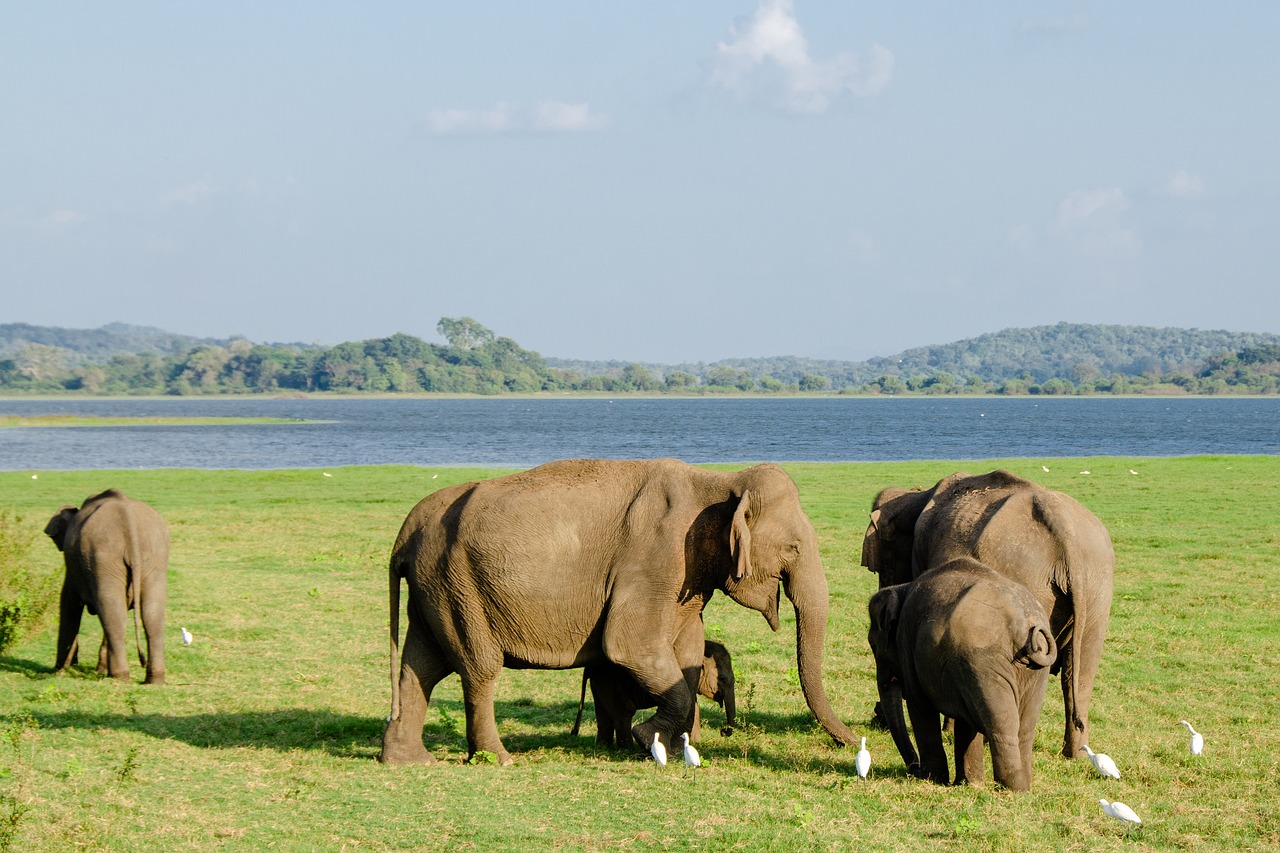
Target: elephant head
<point>772,545</point>
<point>884,609</point>
<point>717,681</point>
<point>58,526</point>
<point>890,537</point>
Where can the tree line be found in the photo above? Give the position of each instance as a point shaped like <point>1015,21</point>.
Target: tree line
<point>474,360</point>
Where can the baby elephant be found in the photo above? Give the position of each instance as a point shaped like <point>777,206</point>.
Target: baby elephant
<point>963,641</point>
<point>116,551</point>
<point>617,696</point>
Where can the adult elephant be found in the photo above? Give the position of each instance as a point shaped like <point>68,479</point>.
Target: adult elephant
<point>616,696</point>
<point>1042,539</point>
<point>964,641</point>
<point>581,562</point>
<point>116,551</point>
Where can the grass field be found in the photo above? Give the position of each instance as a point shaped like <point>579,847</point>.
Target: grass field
<point>266,733</point>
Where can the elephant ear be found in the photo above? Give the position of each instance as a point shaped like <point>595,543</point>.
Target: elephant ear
<point>869,541</point>
<point>884,609</point>
<point>740,537</point>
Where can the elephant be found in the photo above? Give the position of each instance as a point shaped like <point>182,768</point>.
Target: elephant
<point>1043,539</point>
<point>582,562</point>
<point>617,696</point>
<point>967,642</point>
<point>116,551</point>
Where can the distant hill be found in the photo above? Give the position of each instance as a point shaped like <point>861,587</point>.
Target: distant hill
<point>94,346</point>
<point>1061,351</point>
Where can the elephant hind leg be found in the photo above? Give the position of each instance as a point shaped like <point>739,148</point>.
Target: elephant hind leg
<point>422,666</point>
<point>478,690</point>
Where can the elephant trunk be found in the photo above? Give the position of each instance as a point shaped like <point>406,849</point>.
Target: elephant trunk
<point>891,709</point>
<point>807,589</point>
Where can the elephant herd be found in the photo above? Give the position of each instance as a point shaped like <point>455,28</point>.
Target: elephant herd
<point>987,585</point>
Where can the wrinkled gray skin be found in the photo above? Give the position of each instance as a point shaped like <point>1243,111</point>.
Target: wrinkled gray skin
<point>583,562</point>
<point>1040,538</point>
<point>116,551</point>
<point>964,641</point>
<point>617,697</point>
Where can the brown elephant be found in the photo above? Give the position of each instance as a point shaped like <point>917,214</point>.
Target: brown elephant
<point>582,562</point>
<point>616,696</point>
<point>116,551</point>
<point>967,642</point>
<point>1042,539</point>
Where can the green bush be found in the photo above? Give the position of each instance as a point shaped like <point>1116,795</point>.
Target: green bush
<point>25,595</point>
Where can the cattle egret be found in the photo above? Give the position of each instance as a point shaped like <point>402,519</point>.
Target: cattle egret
<point>1131,471</point>
<point>691,756</point>
<point>1121,812</point>
<point>658,751</point>
<point>327,474</point>
<point>1044,468</point>
<point>862,760</point>
<point>35,477</point>
<point>1102,762</point>
<point>186,637</point>
<point>1197,739</point>
<point>1084,472</point>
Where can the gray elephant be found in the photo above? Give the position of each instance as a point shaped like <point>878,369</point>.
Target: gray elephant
<point>616,696</point>
<point>583,562</point>
<point>967,642</point>
<point>116,551</point>
<point>1044,540</point>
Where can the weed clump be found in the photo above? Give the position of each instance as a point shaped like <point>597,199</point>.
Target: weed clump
<point>26,595</point>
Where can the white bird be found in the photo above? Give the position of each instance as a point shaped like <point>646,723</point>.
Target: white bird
<point>1121,812</point>
<point>1044,468</point>
<point>658,751</point>
<point>691,756</point>
<point>862,761</point>
<point>35,476</point>
<point>326,474</point>
<point>1131,471</point>
<point>186,637</point>
<point>1197,739</point>
<point>1102,763</point>
<point>1084,472</point>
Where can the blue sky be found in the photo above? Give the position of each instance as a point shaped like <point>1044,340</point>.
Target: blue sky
<point>660,181</point>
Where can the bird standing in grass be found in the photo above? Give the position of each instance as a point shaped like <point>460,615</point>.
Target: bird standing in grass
<point>1121,812</point>
<point>186,637</point>
<point>658,751</point>
<point>1197,739</point>
<point>862,761</point>
<point>691,756</point>
<point>1102,763</point>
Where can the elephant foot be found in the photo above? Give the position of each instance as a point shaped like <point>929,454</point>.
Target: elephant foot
<point>401,748</point>
<point>726,731</point>
<point>644,732</point>
<point>154,678</point>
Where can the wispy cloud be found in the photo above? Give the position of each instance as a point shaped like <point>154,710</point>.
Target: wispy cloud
<point>1183,184</point>
<point>542,117</point>
<point>1056,24</point>
<point>189,195</point>
<point>771,50</point>
<point>1093,218</point>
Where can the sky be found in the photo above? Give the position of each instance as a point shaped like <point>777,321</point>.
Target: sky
<point>660,182</point>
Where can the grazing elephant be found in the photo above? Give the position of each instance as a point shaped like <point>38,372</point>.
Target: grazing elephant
<point>582,562</point>
<point>1042,539</point>
<point>964,641</point>
<point>116,551</point>
<point>617,696</point>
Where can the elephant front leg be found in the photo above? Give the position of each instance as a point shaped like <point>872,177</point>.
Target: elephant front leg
<point>421,668</point>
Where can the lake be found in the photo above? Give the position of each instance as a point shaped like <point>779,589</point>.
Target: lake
<point>520,433</point>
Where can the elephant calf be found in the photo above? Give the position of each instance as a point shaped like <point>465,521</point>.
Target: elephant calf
<point>116,551</point>
<point>967,642</point>
<point>617,696</point>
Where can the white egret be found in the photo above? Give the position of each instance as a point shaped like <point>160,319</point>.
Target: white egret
<point>186,637</point>
<point>1122,813</point>
<point>326,474</point>
<point>1131,471</point>
<point>1045,468</point>
<point>862,761</point>
<point>1102,762</point>
<point>658,751</point>
<point>1197,739</point>
<point>691,756</point>
<point>1084,472</point>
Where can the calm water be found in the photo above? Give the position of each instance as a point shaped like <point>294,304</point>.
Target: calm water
<point>520,433</point>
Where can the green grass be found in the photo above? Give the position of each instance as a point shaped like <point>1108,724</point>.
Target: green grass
<point>266,734</point>
<point>86,420</point>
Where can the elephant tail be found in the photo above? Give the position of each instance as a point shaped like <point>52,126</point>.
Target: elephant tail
<point>1068,577</point>
<point>582,703</point>
<point>134,570</point>
<point>393,598</point>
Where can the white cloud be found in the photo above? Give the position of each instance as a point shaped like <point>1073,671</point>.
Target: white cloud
<point>1083,207</point>
<point>543,117</point>
<point>1183,184</point>
<point>1093,219</point>
<point>773,42</point>
<point>188,196</point>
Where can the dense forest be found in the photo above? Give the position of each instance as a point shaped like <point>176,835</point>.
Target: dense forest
<point>1063,359</point>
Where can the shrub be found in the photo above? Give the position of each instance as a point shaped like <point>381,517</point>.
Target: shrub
<point>26,595</point>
